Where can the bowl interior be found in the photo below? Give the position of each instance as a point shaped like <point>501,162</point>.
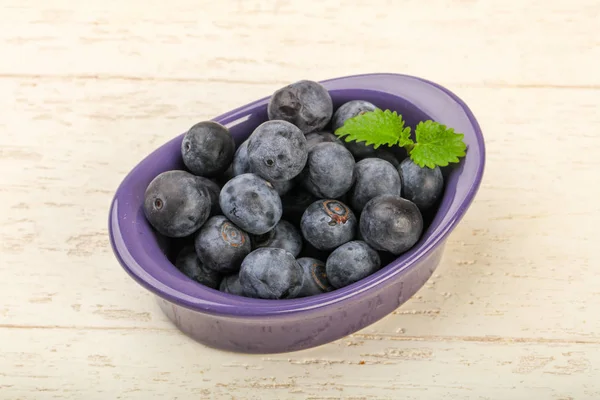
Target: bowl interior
<point>144,255</point>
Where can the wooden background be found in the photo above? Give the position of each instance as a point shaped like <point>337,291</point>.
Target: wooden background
<point>88,88</point>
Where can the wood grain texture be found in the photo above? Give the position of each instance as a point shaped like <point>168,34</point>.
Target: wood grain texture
<point>88,89</point>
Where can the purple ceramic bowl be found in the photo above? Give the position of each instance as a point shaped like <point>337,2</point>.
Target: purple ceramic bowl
<point>249,325</point>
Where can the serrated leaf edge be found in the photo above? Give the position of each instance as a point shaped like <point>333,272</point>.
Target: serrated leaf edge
<point>404,140</point>
<point>405,130</point>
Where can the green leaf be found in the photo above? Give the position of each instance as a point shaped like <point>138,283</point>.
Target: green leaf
<point>437,145</point>
<point>376,128</point>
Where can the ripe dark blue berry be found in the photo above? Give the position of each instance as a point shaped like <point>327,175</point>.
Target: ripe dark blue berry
<point>295,203</point>
<point>188,262</point>
<point>391,223</point>
<point>231,284</point>
<point>284,236</point>
<point>387,156</point>
<point>283,187</point>
<point>251,203</point>
<point>207,149</point>
<point>315,138</point>
<point>241,165</point>
<point>271,273</point>
<point>315,277</point>
<point>329,172</point>
<point>306,104</point>
<point>277,151</point>
<point>213,191</point>
<point>221,246</point>
<point>349,110</point>
<point>360,150</point>
<point>374,177</point>
<point>176,204</point>
<point>351,262</point>
<point>308,250</point>
<point>422,186</point>
<point>327,224</point>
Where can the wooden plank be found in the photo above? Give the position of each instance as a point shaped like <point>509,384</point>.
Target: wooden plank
<point>519,43</point>
<point>149,364</point>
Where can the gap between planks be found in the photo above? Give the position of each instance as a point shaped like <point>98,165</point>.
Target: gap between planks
<point>361,336</point>
<point>112,77</point>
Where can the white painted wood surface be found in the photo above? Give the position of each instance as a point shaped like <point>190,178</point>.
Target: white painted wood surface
<point>88,88</point>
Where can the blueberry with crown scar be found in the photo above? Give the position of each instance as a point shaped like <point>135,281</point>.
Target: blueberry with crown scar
<point>327,224</point>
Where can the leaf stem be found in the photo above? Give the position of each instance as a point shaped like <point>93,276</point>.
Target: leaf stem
<point>408,147</point>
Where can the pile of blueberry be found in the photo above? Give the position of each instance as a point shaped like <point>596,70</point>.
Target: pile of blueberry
<point>293,211</point>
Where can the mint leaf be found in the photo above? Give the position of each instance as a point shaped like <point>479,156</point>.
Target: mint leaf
<point>376,128</point>
<point>436,145</point>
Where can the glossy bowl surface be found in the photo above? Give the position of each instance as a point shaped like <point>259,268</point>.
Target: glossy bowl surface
<point>248,325</point>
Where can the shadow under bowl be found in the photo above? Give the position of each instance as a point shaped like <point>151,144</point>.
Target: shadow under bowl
<point>240,324</point>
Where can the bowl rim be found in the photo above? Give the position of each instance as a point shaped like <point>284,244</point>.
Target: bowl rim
<point>236,306</point>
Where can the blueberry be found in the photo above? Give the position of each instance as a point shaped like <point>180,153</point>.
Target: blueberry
<point>224,177</point>
<point>295,203</point>
<point>251,203</point>
<point>207,149</point>
<point>387,156</point>
<point>329,172</point>
<point>399,153</point>
<point>422,186</point>
<point>391,223</point>
<point>308,250</point>
<point>188,262</point>
<point>306,104</point>
<point>176,204</point>
<point>349,110</point>
<point>241,165</point>
<point>277,151</point>
<point>374,177</point>
<point>315,277</point>
<point>351,262</point>
<point>327,224</point>
<point>231,284</point>
<point>271,273</point>
<point>213,190</point>
<point>315,138</point>
<point>283,187</point>
<point>360,150</point>
<point>284,236</point>
<point>221,245</point>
